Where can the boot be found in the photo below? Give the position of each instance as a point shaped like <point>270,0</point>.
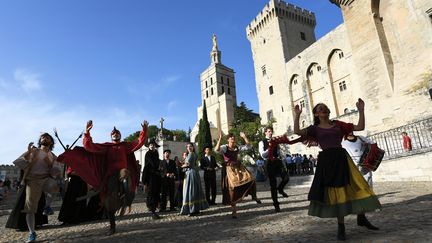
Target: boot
<point>277,208</point>
<point>155,216</point>
<point>363,221</point>
<point>282,193</point>
<point>341,232</point>
<point>112,228</point>
<point>254,198</point>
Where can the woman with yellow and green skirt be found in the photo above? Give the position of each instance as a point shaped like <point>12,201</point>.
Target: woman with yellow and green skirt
<point>338,188</point>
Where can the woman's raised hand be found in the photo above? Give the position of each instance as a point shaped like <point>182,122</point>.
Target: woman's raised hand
<point>360,104</point>
<point>297,110</point>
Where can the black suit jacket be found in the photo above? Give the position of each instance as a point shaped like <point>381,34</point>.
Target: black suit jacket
<point>169,167</point>
<point>208,165</point>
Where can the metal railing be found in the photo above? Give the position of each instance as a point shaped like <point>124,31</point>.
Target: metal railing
<point>391,140</point>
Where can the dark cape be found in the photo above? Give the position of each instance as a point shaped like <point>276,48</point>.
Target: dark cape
<point>17,219</point>
<point>73,211</point>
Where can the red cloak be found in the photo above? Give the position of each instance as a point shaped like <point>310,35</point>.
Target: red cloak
<point>95,163</point>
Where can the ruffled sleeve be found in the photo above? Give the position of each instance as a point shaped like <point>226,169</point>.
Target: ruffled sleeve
<point>346,128</point>
<point>310,138</point>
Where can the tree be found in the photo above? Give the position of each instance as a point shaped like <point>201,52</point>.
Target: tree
<point>152,132</point>
<point>204,135</point>
<point>243,114</point>
<point>180,135</point>
<point>250,123</point>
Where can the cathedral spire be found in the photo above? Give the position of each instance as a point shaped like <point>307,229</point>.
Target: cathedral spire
<point>215,54</point>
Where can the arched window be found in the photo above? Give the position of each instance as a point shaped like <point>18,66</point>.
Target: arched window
<point>206,84</point>
<point>206,93</point>
<point>211,91</point>
<point>223,90</point>
<point>229,91</point>
<point>271,90</point>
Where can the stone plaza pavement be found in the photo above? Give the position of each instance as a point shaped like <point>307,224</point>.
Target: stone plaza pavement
<point>406,216</point>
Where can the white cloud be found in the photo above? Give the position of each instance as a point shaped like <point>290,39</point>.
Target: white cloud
<point>171,104</point>
<point>3,84</point>
<point>171,79</point>
<point>23,121</point>
<point>28,81</point>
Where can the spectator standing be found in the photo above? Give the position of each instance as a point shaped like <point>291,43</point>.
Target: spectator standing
<point>406,142</point>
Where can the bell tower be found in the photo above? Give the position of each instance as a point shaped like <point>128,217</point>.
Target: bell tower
<point>218,89</point>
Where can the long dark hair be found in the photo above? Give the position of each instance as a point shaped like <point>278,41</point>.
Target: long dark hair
<point>51,147</point>
<point>193,146</point>
<point>314,110</point>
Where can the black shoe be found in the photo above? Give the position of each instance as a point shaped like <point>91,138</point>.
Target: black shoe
<point>341,232</point>
<point>111,232</point>
<point>277,208</point>
<point>363,221</point>
<point>283,193</point>
<point>155,216</point>
<point>162,210</point>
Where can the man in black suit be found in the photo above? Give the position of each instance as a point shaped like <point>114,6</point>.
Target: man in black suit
<point>169,169</point>
<point>152,178</point>
<point>275,167</point>
<point>209,165</point>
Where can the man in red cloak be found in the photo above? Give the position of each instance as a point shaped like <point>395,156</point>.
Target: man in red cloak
<point>109,167</point>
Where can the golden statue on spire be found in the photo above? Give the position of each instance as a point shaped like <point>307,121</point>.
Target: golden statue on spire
<point>214,42</point>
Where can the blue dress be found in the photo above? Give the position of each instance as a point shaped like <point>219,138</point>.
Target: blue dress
<point>193,195</point>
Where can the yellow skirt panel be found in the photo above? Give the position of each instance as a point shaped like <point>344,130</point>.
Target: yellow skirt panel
<point>357,189</point>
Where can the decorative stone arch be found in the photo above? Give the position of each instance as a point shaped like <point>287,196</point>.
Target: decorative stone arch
<point>309,87</point>
<point>304,96</point>
<point>329,71</point>
<point>290,84</point>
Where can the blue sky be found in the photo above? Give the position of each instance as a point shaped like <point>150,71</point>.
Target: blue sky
<point>119,62</point>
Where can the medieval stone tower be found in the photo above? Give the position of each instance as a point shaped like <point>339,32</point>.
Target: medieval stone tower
<point>391,45</point>
<point>380,53</point>
<point>277,34</point>
<point>218,90</point>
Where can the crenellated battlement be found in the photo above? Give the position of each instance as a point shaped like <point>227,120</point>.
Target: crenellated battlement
<point>342,2</point>
<point>281,9</point>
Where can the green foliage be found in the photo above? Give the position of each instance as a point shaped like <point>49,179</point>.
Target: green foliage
<point>250,123</point>
<point>204,135</point>
<point>243,114</point>
<point>132,137</point>
<point>181,135</point>
<point>153,130</point>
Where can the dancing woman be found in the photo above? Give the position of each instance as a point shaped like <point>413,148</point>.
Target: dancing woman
<point>338,189</point>
<point>238,180</point>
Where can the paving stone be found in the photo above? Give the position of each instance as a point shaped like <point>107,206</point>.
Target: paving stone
<point>406,216</point>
